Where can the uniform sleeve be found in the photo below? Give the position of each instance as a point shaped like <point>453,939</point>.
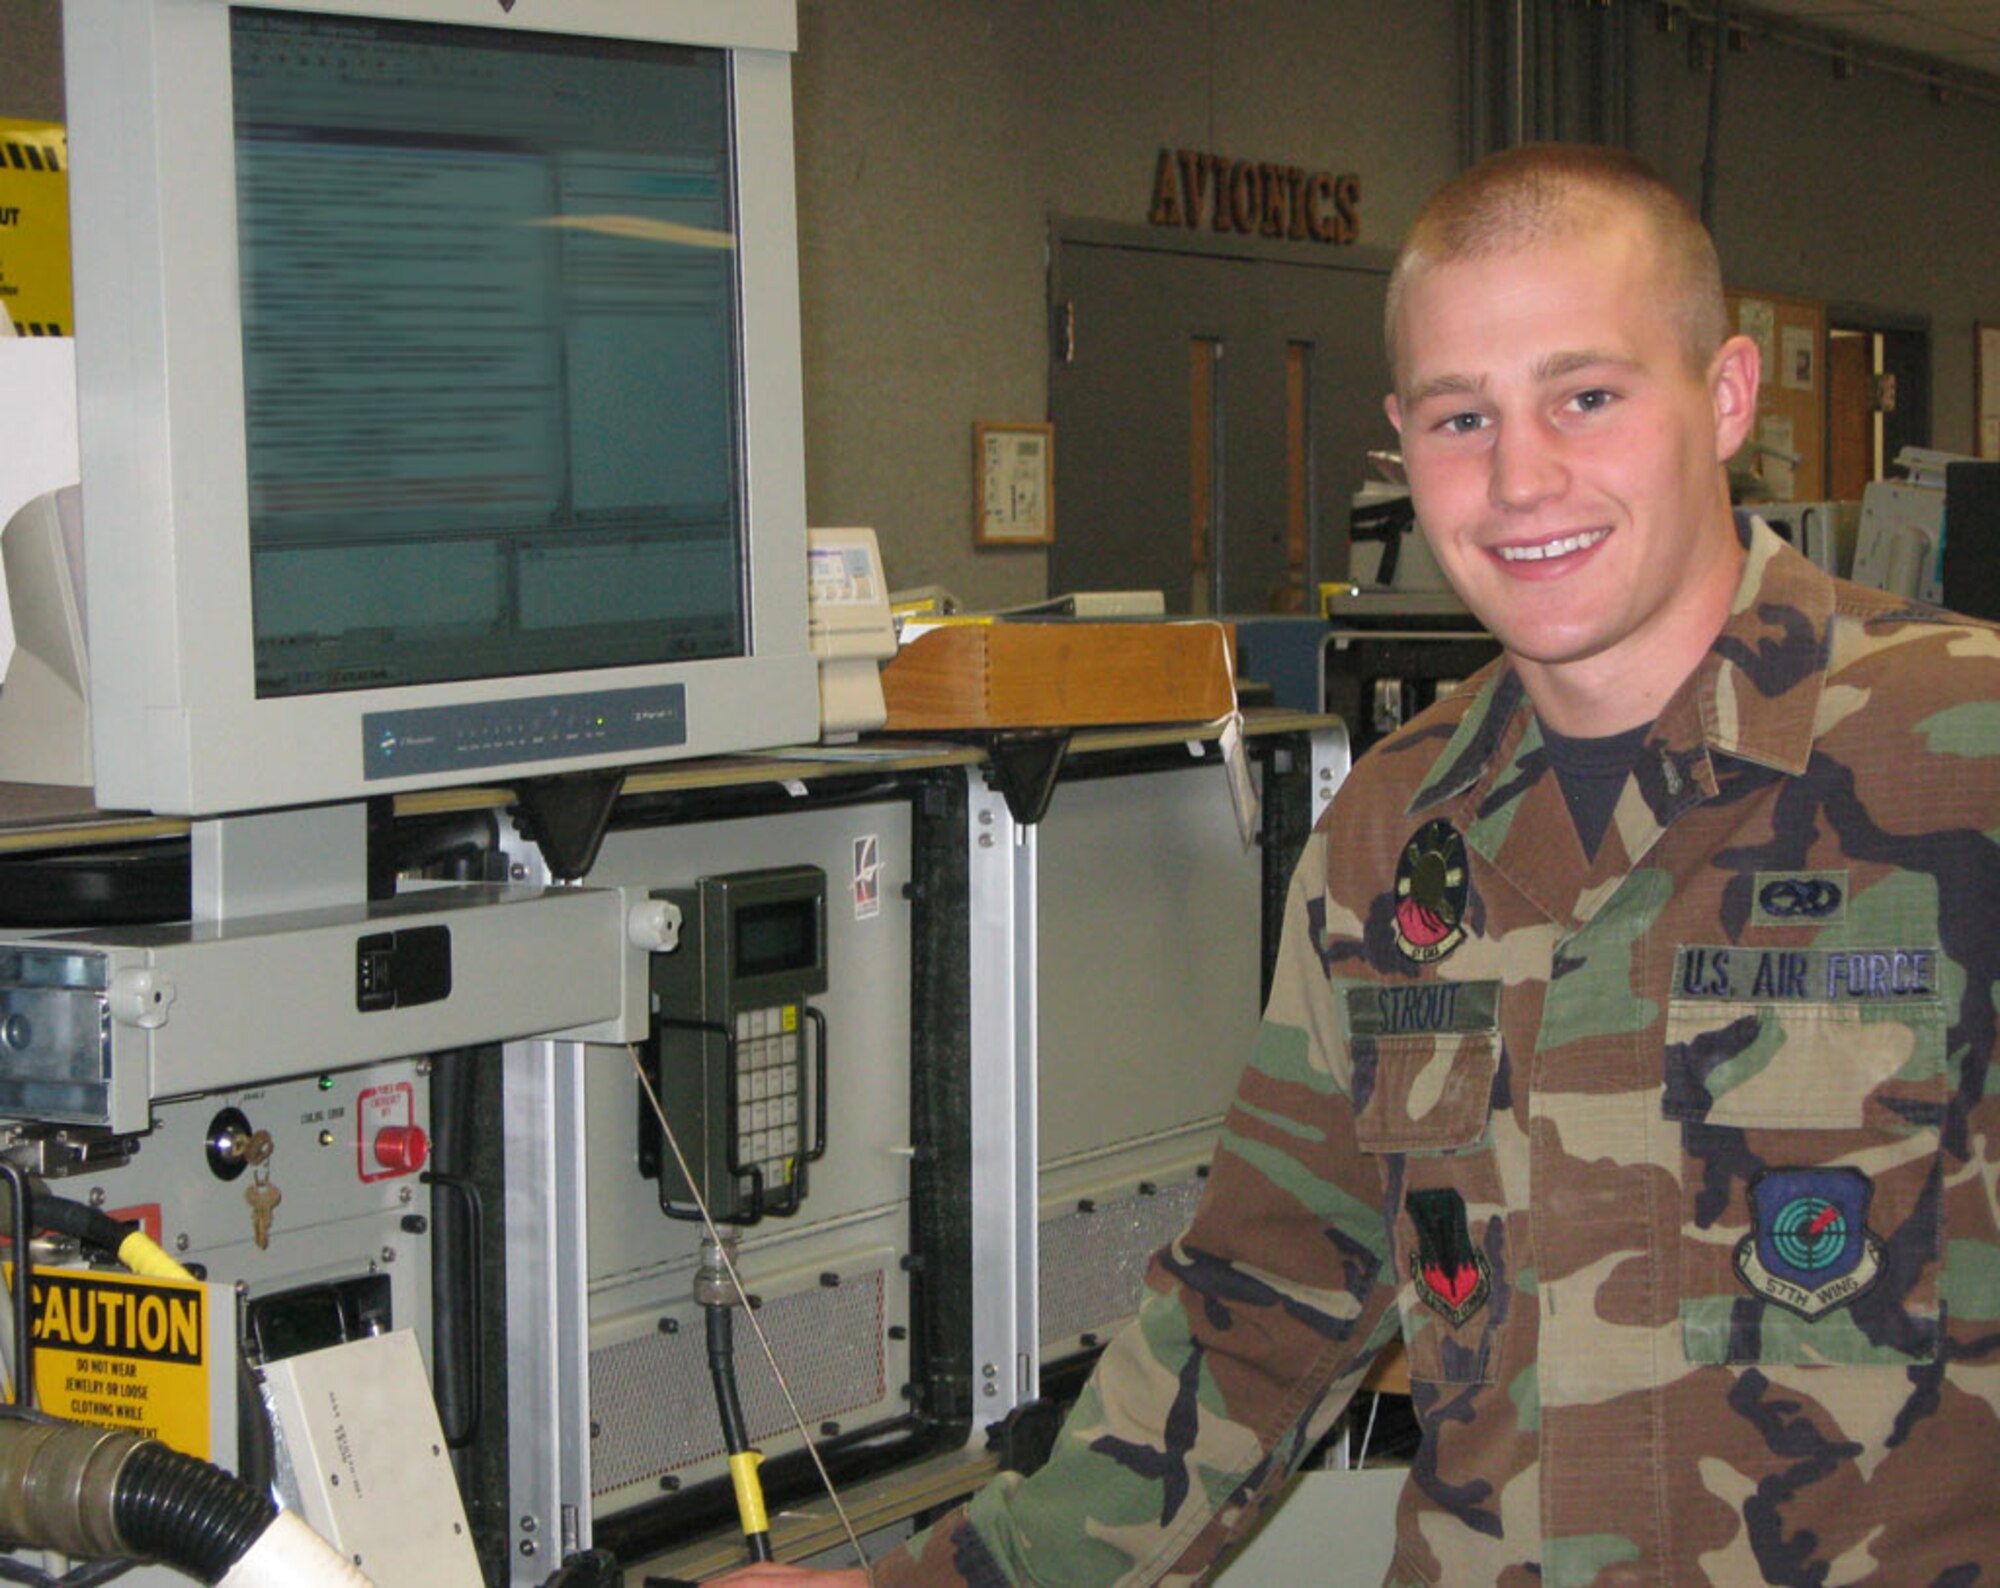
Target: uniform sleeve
<point>1257,1325</point>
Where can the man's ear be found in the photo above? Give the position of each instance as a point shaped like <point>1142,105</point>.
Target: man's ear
<point>1394,410</point>
<point>1732,385</point>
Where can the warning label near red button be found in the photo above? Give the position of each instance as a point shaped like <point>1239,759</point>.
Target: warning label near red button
<point>389,1141</point>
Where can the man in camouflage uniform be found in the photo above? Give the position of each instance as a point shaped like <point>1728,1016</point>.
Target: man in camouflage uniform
<point>1655,1120</point>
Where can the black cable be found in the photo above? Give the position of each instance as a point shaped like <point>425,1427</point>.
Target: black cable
<point>458,1241</point>
<point>458,1328</point>
<point>80,1221</point>
<point>729,1406</point>
<point>87,1575</point>
<point>24,1294</point>
<point>256,1444</point>
<point>90,1573</point>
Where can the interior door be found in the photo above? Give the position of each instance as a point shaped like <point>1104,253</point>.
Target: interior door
<point>1213,414</point>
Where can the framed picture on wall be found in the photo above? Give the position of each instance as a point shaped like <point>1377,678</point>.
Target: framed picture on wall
<point>1014,485</point>
<point>1986,386</point>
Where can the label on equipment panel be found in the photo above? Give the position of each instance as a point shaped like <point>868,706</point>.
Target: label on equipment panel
<point>122,1352</point>
<point>430,739</point>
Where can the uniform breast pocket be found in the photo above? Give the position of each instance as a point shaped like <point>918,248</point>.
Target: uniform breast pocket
<point>1424,1094</point>
<point>1425,1107</point>
<point>1811,1181</point>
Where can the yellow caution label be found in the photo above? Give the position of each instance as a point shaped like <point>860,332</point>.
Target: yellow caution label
<point>123,1352</point>
<point>789,1017</point>
<point>34,227</point>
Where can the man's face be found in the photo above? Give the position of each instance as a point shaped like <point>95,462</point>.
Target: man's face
<point>1563,453</point>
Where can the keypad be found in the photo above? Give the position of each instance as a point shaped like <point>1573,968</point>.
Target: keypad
<point>769,1063</point>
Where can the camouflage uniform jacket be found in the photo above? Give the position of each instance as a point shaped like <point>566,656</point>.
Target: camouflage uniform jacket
<point>1676,1168</point>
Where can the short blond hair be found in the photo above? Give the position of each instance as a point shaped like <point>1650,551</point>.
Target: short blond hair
<point>1541,192</point>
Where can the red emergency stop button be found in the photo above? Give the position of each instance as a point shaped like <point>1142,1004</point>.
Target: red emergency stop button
<point>402,1149</point>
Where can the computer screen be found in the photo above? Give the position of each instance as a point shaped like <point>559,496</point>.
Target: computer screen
<point>439,391</point>
<point>469,259</point>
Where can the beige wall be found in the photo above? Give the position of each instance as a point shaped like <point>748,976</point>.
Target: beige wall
<point>31,59</point>
<point>934,142</point>
<point>1864,191</point>
<point>936,137</point>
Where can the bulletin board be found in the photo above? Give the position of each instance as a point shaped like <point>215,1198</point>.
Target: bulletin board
<point>1791,400</point>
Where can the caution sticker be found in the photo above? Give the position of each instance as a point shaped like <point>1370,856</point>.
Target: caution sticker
<point>123,1352</point>
<point>34,227</point>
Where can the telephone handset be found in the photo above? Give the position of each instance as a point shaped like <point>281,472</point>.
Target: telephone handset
<point>738,1055</point>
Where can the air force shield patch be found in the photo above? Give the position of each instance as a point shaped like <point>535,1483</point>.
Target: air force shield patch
<point>1809,1249</point>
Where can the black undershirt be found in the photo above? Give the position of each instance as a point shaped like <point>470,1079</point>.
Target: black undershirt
<point>1592,773</point>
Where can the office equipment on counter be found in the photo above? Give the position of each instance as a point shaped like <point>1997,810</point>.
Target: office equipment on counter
<point>406,514</point>
<point>1387,547</point>
<point>44,718</point>
<point>1093,604</point>
<point>1032,674</point>
<point>1902,527</point>
<point>852,629</point>
<point>739,1055</point>
<point>364,1458</point>
<point>924,601</point>
<point>1391,653</point>
<point>38,420</point>
<point>1824,532</point>
<point>1896,548</point>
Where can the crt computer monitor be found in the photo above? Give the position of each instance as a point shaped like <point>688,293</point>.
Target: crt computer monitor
<point>438,389</point>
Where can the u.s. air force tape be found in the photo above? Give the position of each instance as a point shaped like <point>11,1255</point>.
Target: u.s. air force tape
<point>1805,975</point>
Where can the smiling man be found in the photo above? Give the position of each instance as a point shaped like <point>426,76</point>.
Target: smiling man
<point>1630,1050</point>
<point>1564,391</point>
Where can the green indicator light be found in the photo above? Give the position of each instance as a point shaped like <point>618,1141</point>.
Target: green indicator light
<point>326,1083</point>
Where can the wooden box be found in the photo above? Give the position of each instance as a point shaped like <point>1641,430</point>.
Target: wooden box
<point>1053,675</point>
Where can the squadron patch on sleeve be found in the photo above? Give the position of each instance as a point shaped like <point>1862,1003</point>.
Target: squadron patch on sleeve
<point>1431,889</point>
<point>1450,1274</point>
<point>1809,1248</point>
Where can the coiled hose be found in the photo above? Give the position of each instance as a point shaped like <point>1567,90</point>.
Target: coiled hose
<point>100,1492</point>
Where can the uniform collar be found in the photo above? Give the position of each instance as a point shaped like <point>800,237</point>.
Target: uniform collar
<point>1754,696</point>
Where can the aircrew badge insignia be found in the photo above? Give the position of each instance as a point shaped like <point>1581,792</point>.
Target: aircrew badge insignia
<point>1809,1249</point>
<point>1430,893</point>
<point>1451,1276</point>
<point>1786,898</point>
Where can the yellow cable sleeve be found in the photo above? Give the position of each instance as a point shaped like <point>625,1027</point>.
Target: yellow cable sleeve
<point>749,1492</point>
<point>139,1252</point>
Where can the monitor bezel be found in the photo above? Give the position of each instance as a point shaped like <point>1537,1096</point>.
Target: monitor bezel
<point>177,726</point>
